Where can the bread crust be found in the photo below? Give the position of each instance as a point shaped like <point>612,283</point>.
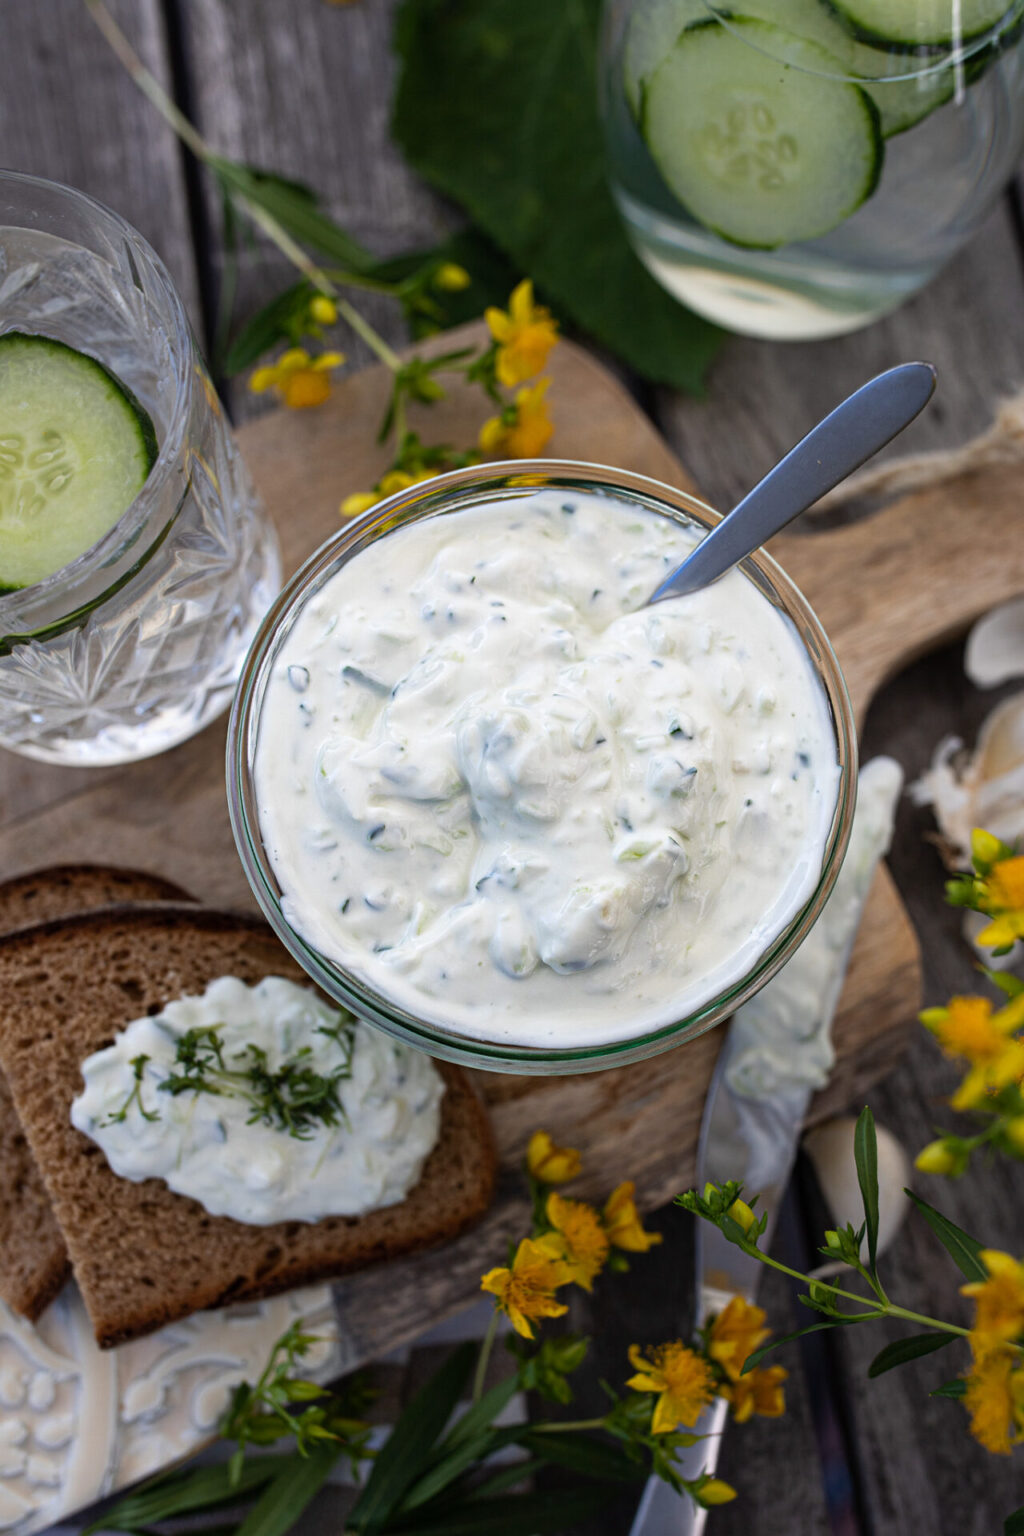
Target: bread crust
<point>144,1256</point>
<point>34,1263</point>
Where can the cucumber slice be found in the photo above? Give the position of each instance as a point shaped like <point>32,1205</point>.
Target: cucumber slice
<point>75,449</point>
<point>654,29</point>
<point>761,153</point>
<point>913,23</point>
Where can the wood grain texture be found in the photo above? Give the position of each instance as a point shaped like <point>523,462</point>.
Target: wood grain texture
<point>70,113</point>
<point>764,395</point>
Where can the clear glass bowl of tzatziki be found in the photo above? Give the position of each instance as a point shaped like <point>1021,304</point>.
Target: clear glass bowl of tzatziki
<point>497,805</point>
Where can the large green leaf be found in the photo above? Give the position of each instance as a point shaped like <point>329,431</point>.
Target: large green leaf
<point>903,1350</point>
<point>1013,1525</point>
<point>179,1493</point>
<point>865,1153</point>
<point>497,107</point>
<point>280,1506</point>
<point>525,1514</point>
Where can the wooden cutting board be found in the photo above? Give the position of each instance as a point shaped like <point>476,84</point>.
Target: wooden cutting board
<point>886,590</point>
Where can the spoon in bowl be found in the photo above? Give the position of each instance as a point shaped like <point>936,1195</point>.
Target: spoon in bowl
<point>867,420</point>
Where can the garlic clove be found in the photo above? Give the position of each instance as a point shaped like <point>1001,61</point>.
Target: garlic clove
<point>985,789</point>
<point>830,1149</point>
<point>995,646</point>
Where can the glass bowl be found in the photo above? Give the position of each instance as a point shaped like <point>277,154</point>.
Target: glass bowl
<point>438,498</point>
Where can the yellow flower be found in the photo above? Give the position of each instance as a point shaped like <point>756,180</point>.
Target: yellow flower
<point>715,1491</point>
<point>682,1378</point>
<point>526,1291</point>
<point>936,1157</point>
<point>999,1302</point>
<point>525,336</point>
<point>299,379</point>
<point>451,278</point>
<point>757,1392</point>
<point>551,1164</point>
<point>582,1237</point>
<point>735,1334</point>
<point>622,1222</point>
<point>322,310</point>
<point>1003,898</point>
<point>358,502</point>
<point>995,1401</point>
<point>969,1028</point>
<point>524,436</point>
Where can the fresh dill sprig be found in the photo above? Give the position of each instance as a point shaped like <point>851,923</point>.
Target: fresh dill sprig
<point>295,1098</point>
<point>138,1066</point>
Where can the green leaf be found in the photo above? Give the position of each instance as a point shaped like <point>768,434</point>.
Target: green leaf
<point>865,1154</point>
<point>179,1493</point>
<point>408,1447</point>
<point>448,1468</point>
<point>956,1389</point>
<point>508,1477</point>
<point>268,326</point>
<point>902,1350</point>
<point>963,1248</point>
<point>787,1338</point>
<point>1013,1525</point>
<point>281,1504</point>
<point>584,1454</point>
<point>294,207</point>
<point>526,1514</point>
<point>483,1413</point>
<point>497,107</point>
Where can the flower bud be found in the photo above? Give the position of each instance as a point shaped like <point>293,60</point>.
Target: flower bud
<point>715,1491</point>
<point>742,1215</point>
<point>937,1157</point>
<point>323,310</point>
<point>451,278</point>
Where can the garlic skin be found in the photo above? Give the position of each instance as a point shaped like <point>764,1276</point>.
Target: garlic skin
<point>995,646</point>
<point>830,1149</point>
<point>983,789</point>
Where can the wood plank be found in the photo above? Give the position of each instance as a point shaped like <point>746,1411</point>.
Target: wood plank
<point>69,112</point>
<point>305,90</point>
<point>764,395</point>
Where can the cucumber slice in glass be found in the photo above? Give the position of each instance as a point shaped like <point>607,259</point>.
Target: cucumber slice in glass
<point>653,28</point>
<point>75,449</point>
<point>916,23</point>
<point>762,153</point>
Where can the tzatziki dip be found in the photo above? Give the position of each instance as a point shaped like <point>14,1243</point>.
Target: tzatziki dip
<point>510,798</point>
<point>264,1104</point>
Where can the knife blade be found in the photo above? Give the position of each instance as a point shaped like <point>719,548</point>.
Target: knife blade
<point>755,1108</point>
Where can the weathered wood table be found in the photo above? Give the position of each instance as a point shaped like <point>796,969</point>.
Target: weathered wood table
<point>304,88</point>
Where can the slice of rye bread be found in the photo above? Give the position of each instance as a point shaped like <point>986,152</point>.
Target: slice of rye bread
<point>34,1263</point>
<point>142,1255</point>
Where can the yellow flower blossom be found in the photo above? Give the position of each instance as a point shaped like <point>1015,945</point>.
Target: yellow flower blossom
<point>715,1491</point>
<point>322,310</point>
<point>299,379</point>
<point>525,435</point>
<point>551,1164</point>
<point>451,278</point>
<point>735,1334</point>
<point>526,1291</point>
<point>1003,899</point>
<point>936,1157</point>
<point>995,1400</point>
<point>683,1380</point>
<point>999,1302</point>
<point>757,1392</point>
<point>525,336</point>
<point>583,1240</point>
<point>622,1221</point>
<point>969,1028</point>
<point>358,503</point>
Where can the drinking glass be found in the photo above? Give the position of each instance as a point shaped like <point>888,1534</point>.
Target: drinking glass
<point>787,173</point>
<point>137,643</point>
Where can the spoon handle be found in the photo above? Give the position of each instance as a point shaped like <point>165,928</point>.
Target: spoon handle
<point>864,423</point>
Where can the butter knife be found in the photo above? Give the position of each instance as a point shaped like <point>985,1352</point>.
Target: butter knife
<point>754,1113</point>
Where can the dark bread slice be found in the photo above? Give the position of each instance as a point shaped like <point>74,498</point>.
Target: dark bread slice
<point>34,1263</point>
<point>142,1255</point>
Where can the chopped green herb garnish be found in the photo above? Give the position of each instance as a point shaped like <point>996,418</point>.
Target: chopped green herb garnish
<point>138,1066</point>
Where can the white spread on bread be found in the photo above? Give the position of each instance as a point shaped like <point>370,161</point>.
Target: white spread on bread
<point>510,798</point>
<point>217,1142</point>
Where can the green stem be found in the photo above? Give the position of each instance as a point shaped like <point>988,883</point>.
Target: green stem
<point>484,1357</point>
<point>560,1427</point>
<point>147,82</point>
<point>377,345</point>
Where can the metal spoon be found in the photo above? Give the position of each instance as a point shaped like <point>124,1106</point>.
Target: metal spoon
<point>864,423</point>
